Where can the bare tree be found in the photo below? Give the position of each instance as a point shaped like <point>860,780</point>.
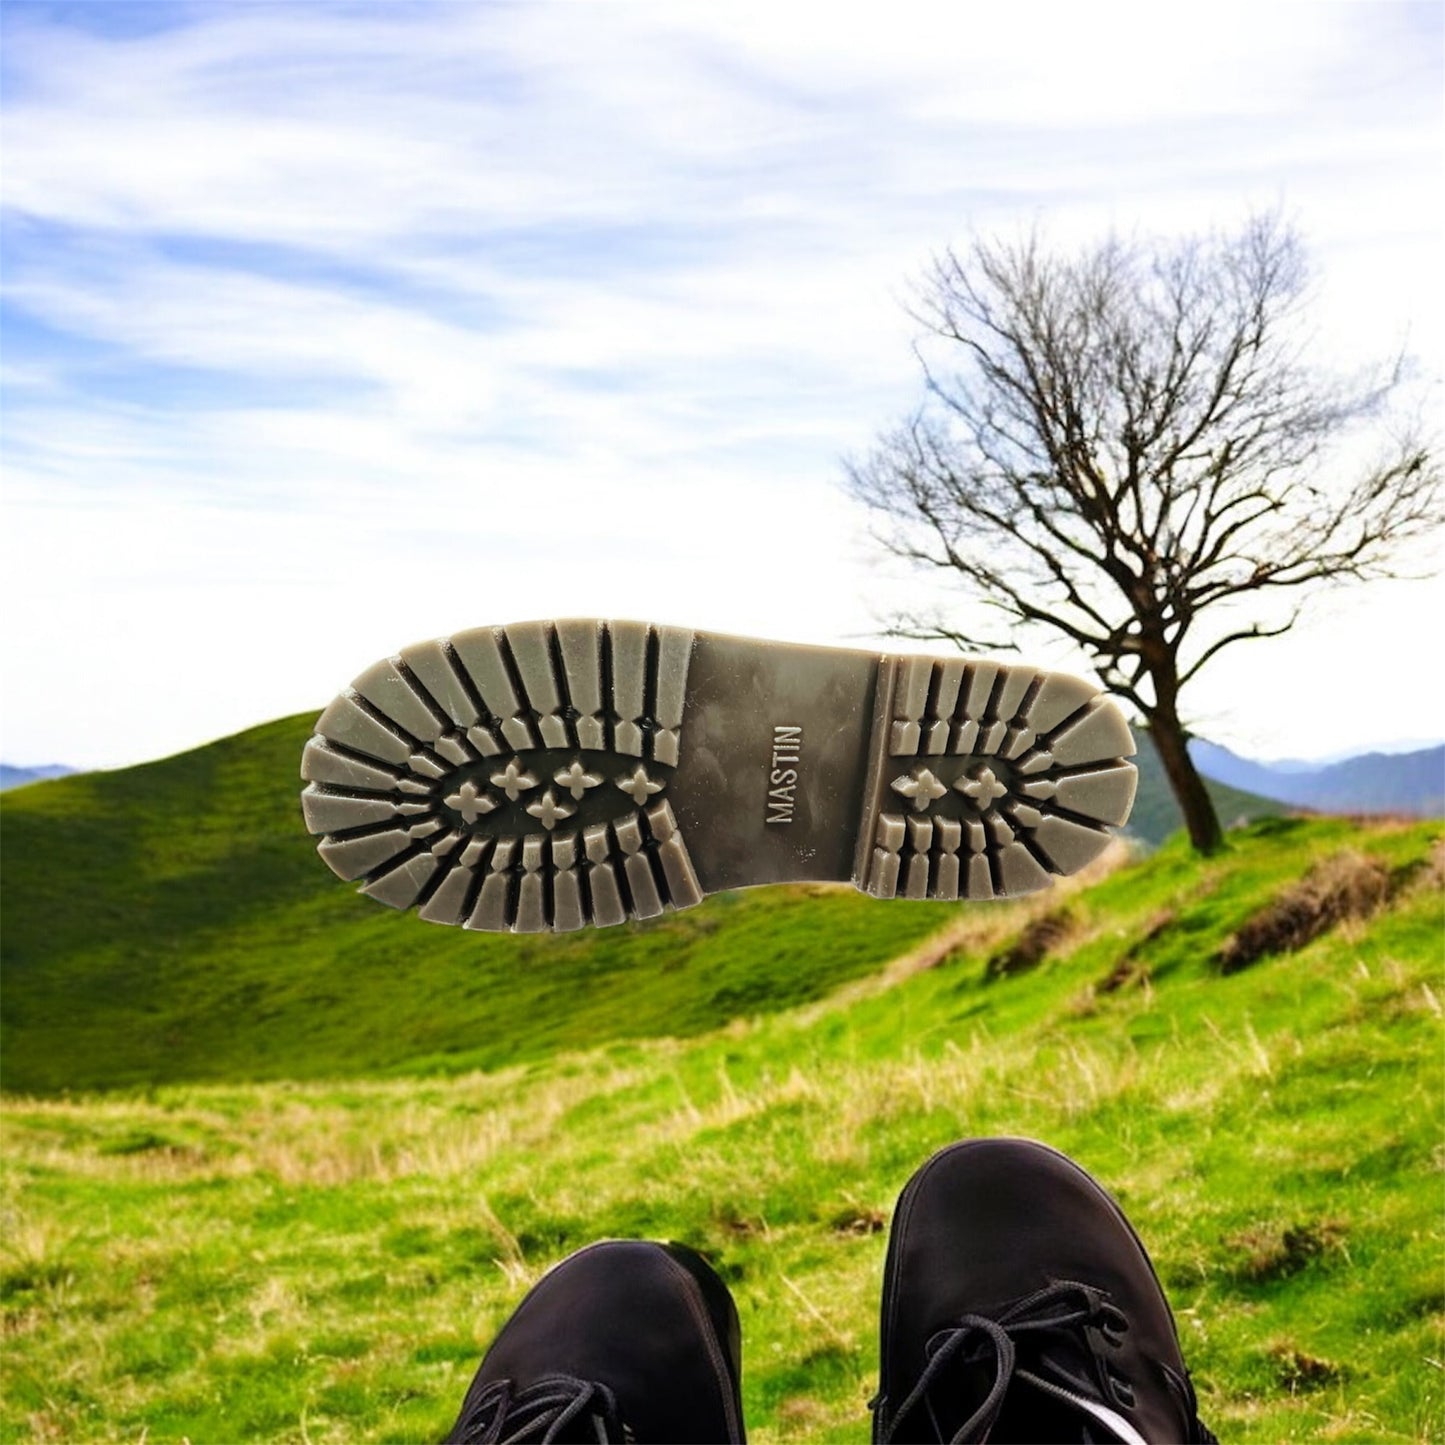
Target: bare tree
<point>1128,446</point>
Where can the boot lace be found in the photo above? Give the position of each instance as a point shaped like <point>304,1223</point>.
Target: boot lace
<point>1062,1307</point>
<point>555,1408</point>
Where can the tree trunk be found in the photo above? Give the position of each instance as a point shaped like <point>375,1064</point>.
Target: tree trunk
<point>1188,787</point>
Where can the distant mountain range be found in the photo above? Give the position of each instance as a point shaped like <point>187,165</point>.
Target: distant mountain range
<point>1412,783</point>
<point>12,777</point>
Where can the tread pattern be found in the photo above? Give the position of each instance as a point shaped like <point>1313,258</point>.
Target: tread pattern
<point>1011,776</point>
<point>510,778</point>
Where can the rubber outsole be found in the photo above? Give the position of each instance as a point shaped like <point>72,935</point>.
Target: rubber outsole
<point>549,775</point>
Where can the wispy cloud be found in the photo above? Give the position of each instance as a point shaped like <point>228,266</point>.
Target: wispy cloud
<point>332,325</point>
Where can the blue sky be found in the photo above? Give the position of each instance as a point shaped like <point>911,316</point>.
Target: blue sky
<point>331,327</point>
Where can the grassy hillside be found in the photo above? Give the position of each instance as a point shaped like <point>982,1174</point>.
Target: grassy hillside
<point>324,1261</point>
<point>172,922</point>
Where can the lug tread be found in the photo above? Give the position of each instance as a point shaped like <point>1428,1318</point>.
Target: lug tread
<point>323,764</point>
<point>392,694</point>
<point>1008,777</point>
<point>431,664</point>
<point>510,778</point>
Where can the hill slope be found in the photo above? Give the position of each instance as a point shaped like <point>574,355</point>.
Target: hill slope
<point>1156,815</point>
<point>172,921</point>
<point>324,1262</point>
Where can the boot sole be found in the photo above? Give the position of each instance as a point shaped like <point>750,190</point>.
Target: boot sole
<point>549,775</point>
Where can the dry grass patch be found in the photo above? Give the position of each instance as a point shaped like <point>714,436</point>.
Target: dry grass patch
<point>1298,1371</point>
<point>1421,874</point>
<point>1043,936</point>
<point>1269,1253</point>
<point>1344,886</point>
<point>858,1219</point>
<point>980,930</point>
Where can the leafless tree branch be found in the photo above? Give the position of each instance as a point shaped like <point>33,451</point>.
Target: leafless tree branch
<point>1115,444</point>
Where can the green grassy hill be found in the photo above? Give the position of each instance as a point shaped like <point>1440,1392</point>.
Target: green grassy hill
<point>171,922</point>
<point>332,1145</point>
<point>324,1261</point>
